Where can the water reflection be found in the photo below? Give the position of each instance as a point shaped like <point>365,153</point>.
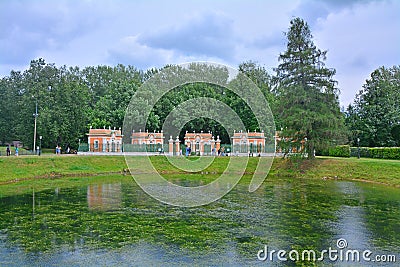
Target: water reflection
<point>134,229</point>
<point>351,225</point>
<point>104,197</point>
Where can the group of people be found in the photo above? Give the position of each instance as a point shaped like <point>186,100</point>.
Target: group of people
<point>8,150</point>
<point>58,150</point>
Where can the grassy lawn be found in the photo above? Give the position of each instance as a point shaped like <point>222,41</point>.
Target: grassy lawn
<point>17,169</point>
<point>47,166</point>
<point>364,169</point>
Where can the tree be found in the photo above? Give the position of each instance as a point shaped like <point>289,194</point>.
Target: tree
<point>352,124</point>
<point>63,101</point>
<point>260,76</point>
<point>64,111</point>
<point>10,91</point>
<point>375,115</point>
<point>33,88</point>
<point>307,93</point>
<point>112,89</point>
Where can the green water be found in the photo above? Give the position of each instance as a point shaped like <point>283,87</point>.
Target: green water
<point>115,223</point>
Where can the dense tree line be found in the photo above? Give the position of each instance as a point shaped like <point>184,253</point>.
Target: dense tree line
<point>303,95</point>
<point>374,117</point>
<point>70,100</point>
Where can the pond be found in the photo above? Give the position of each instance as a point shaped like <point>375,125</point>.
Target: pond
<point>113,222</point>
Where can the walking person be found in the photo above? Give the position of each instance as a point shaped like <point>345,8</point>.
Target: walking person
<point>8,150</point>
<point>16,151</point>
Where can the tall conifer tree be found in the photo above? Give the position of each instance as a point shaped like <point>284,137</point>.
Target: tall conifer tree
<point>307,93</point>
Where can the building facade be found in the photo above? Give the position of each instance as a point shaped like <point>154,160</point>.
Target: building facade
<point>202,143</point>
<point>146,138</point>
<point>105,140</point>
<point>146,142</point>
<point>248,142</point>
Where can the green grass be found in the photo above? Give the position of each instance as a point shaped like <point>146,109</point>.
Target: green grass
<point>16,169</point>
<point>48,150</point>
<point>364,169</point>
<point>29,167</point>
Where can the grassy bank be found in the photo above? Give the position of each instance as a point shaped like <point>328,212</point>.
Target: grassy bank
<point>365,169</point>
<point>18,169</point>
<point>30,167</point>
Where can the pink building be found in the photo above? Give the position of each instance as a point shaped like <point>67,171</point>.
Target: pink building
<point>105,140</point>
<point>248,142</point>
<point>202,143</point>
<point>146,138</point>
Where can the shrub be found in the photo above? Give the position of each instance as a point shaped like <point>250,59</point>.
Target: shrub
<point>322,152</point>
<point>340,151</point>
<point>385,152</point>
<point>376,152</point>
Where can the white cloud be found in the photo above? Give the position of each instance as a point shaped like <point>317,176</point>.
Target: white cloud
<point>207,34</point>
<point>360,40</point>
<point>314,10</point>
<point>129,51</point>
<point>360,35</point>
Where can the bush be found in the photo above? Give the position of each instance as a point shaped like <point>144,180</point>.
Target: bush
<point>385,152</point>
<point>376,152</point>
<point>340,151</point>
<point>322,152</point>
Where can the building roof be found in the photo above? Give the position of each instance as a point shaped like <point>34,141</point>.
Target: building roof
<point>252,135</point>
<point>202,135</point>
<point>136,135</point>
<point>104,132</point>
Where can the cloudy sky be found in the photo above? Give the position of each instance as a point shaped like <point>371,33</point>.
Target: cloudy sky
<point>360,35</point>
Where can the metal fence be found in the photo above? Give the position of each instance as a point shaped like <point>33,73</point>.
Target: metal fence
<point>225,149</point>
<point>160,148</point>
